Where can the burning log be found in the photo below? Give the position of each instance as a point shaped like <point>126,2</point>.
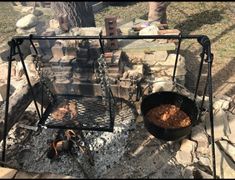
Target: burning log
<point>57,147</point>
<point>61,144</point>
<point>68,144</point>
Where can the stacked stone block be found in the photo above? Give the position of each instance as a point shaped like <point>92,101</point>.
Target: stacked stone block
<point>111,30</point>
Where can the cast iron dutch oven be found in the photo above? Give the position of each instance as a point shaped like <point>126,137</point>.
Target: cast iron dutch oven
<point>167,97</point>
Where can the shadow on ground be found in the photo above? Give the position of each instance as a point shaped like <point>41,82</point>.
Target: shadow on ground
<point>147,157</point>
<point>224,82</point>
<point>195,21</point>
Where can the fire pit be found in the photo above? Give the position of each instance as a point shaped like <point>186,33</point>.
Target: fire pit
<point>185,104</point>
<point>169,115</point>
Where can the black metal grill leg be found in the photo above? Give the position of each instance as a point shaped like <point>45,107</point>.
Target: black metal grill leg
<point>27,77</point>
<point>7,102</point>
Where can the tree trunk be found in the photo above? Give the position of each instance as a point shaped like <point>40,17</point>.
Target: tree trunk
<point>74,14</point>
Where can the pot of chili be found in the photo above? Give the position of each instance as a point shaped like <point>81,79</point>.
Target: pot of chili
<point>169,115</point>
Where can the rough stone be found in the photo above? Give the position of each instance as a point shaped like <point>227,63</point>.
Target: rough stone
<point>3,92</point>
<point>224,166</point>
<point>160,55</point>
<point>37,12</point>
<point>39,50</point>
<point>153,58</point>
<point>184,158</point>
<point>57,31</point>
<point>169,170</point>
<point>26,175</point>
<point>224,104</point>
<point>57,51</point>
<point>30,67</point>
<point>163,84</point>
<point>188,146</point>
<point>170,61</point>
<point>26,31</point>
<point>205,104</point>
<point>19,102</point>
<point>71,51</point>
<point>204,161</point>
<point>125,75</point>
<point>75,31</point>
<point>47,44</point>
<point>31,175</point>
<point>156,69</point>
<point>139,119</point>
<point>62,42</point>
<point>137,71</point>
<point>55,176</point>
<point>141,45</point>
<point>180,79</point>
<point>228,148</point>
<point>188,172</point>
<point>19,70</point>
<point>27,21</point>
<point>4,70</point>
<point>231,118</point>
<point>113,70</point>
<point>7,173</point>
<point>87,31</point>
<point>46,58</point>
<point>180,71</point>
<point>199,135</point>
<point>186,153</point>
<point>54,24</point>
<point>27,9</point>
<point>82,52</point>
<point>199,174</point>
<point>127,26</point>
<point>25,48</point>
<point>169,32</point>
<point>221,124</point>
<point>66,60</point>
<point>4,54</point>
<point>149,30</point>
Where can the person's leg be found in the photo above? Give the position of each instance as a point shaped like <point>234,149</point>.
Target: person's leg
<point>157,12</point>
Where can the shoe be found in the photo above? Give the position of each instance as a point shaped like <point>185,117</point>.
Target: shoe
<point>159,25</point>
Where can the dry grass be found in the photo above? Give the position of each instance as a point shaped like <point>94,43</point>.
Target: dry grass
<point>8,18</point>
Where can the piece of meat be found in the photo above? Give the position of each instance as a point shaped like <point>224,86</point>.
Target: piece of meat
<point>73,109</point>
<point>60,111</point>
<point>168,116</point>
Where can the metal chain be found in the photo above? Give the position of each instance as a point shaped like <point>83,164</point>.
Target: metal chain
<point>103,75</point>
<point>38,66</point>
<point>131,89</point>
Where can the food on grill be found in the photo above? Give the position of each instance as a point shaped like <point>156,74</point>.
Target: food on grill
<point>60,111</point>
<point>65,108</point>
<point>73,109</point>
<point>168,116</point>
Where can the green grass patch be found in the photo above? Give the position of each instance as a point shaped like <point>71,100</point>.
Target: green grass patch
<point>8,19</point>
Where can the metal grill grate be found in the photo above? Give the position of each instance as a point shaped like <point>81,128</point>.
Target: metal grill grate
<point>93,113</point>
